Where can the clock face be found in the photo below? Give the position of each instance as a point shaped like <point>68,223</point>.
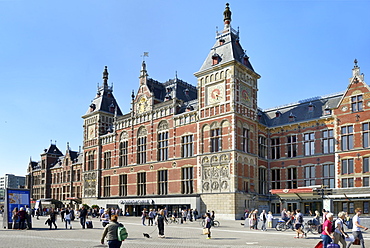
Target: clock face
<point>245,96</point>
<point>142,105</point>
<point>216,94</point>
<point>90,132</point>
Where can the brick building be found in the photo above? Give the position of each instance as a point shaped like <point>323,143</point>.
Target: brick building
<point>211,147</point>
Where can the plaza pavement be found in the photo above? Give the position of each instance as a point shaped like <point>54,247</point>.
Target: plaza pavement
<point>229,234</point>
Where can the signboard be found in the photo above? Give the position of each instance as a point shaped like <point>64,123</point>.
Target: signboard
<point>14,198</point>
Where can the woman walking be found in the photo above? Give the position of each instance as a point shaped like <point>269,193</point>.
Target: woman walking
<point>67,218</point>
<point>208,224</point>
<point>326,234</point>
<point>111,232</point>
<point>339,234</point>
<point>160,223</point>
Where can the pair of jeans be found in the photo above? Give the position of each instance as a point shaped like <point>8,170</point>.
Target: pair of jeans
<point>83,221</point>
<point>114,243</point>
<point>357,235</point>
<point>325,240</point>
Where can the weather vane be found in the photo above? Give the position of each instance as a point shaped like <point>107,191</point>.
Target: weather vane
<point>146,54</point>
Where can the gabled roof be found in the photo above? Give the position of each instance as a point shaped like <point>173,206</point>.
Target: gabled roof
<point>53,149</point>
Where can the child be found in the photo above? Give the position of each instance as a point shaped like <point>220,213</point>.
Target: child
<point>269,219</point>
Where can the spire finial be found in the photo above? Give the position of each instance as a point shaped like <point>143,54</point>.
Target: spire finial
<point>105,76</point>
<point>133,95</point>
<point>355,63</point>
<point>227,16</point>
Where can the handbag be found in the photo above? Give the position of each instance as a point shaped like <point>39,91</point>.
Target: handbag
<point>356,242</point>
<point>205,231</point>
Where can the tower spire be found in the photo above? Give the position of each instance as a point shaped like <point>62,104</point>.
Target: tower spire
<point>227,16</point>
<point>105,76</point>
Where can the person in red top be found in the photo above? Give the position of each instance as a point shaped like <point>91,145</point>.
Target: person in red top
<point>327,234</point>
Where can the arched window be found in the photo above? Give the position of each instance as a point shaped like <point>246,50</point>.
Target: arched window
<point>141,145</point>
<point>162,141</point>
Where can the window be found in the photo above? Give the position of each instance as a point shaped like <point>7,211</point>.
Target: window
<point>328,173</point>
<point>162,182</point>
<point>309,175</point>
<point>275,179</point>
<point>141,183</point>
<point>275,148</point>
<point>292,146</point>
<point>347,183</point>
<point>292,178</point>
<point>106,185</point>
<point>309,144</point>
<point>245,140</point>
<point>365,165</point>
<point>187,146</point>
<point>356,103</point>
<point>215,140</point>
<point>123,185</point>
<point>141,150</point>
<point>347,166</point>
<point>123,151</point>
<point>328,141</point>
<point>187,180</point>
<point>163,146</point>
<point>90,161</point>
<point>365,135</point>
<point>347,137</point>
<point>262,181</point>
<point>262,146</point>
<point>365,182</point>
<point>107,157</point>
<point>246,186</point>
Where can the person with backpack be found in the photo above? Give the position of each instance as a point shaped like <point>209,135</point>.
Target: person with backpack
<point>111,233</point>
<point>356,230</point>
<point>339,234</point>
<point>299,223</point>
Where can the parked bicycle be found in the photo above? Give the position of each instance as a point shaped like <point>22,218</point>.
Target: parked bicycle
<point>214,223</point>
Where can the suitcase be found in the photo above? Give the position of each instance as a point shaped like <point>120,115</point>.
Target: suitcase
<point>89,224</point>
<point>332,245</point>
<point>319,245</point>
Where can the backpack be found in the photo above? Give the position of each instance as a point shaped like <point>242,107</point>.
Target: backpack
<point>122,232</point>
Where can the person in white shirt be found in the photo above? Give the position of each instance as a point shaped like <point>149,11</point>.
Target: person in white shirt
<point>270,217</point>
<point>339,234</point>
<point>263,218</point>
<point>356,230</point>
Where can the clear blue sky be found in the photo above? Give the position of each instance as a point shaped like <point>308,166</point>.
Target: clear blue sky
<point>53,54</point>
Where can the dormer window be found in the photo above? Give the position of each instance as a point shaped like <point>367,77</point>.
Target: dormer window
<point>356,103</point>
<point>92,107</point>
<point>222,41</point>
<point>292,117</point>
<point>277,113</point>
<point>310,107</point>
<point>111,108</point>
<point>245,60</point>
<point>327,111</point>
<point>215,59</point>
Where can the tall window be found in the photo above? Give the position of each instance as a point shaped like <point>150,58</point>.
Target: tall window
<point>275,148</point>
<point>187,146</point>
<point>106,185</point>
<point>347,166</point>
<point>123,185</point>
<point>215,140</point>
<point>245,140</point>
<point>187,180</point>
<point>292,178</point>
<point>262,178</point>
<point>365,165</point>
<point>141,183</point>
<point>347,137</point>
<point>90,161</point>
<point>292,146</point>
<point>328,141</point>
<point>141,150</point>
<point>123,153</point>
<point>328,173</point>
<point>365,135</point>
<point>162,182</point>
<point>163,146</point>
<point>107,160</point>
<point>309,144</point>
<point>356,103</point>
<point>347,183</point>
<point>365,182</point>
<point>309,175</point>
<point>262,146</point>
<point>275,178</point>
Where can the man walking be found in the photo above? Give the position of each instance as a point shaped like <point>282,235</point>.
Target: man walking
<point>83,216</point>
<point>263,218</point>
<point>356,230</point>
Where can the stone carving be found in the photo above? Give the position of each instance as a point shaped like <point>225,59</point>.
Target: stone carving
<point>163,126</point>
<point>142,132</point>
<point>206,186</point>
<point>224,172</point>
<point>215,185</point>
<point>224,185</point>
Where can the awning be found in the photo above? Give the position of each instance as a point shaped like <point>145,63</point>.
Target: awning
<point>296,194</point>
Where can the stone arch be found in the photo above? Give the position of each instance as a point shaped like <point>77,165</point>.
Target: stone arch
<point>142,131</point>
<point>163,125</point>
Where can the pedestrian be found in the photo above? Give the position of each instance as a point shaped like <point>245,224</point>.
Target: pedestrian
<point>263,218</point>
<point>324,216</point>
<point>326,234</point>
<point>151,217</point>
<point>270,217</point>
<point>62,213</point>
<point>255,219</point>
<point>208,224</point>
<point>104,218</point>
<point>28,217</point>
<point>195,214</point>
<point>67,218</point>
<point>160,223</point>
<point>38,213</point>
<point>356,230</point>
<point>284,215</point>
<point>143,216</point>
<point>15,217</point>
<point>52,217</point>
<point>83,216</point>
<point>183,216</point>
<point>111,232</point>
<point>339,234</point>
<point>299,223</point>
<point>22,218</point>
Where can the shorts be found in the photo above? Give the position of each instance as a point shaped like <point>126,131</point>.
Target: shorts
<point>298,226</point>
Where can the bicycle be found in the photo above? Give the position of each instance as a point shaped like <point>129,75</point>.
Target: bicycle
<point>311,227</point>
<point>282,225</point>
<point>215,223</point>
<point>173,220</point>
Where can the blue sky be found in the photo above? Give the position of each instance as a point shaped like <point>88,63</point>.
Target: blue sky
<point>53,54</point>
